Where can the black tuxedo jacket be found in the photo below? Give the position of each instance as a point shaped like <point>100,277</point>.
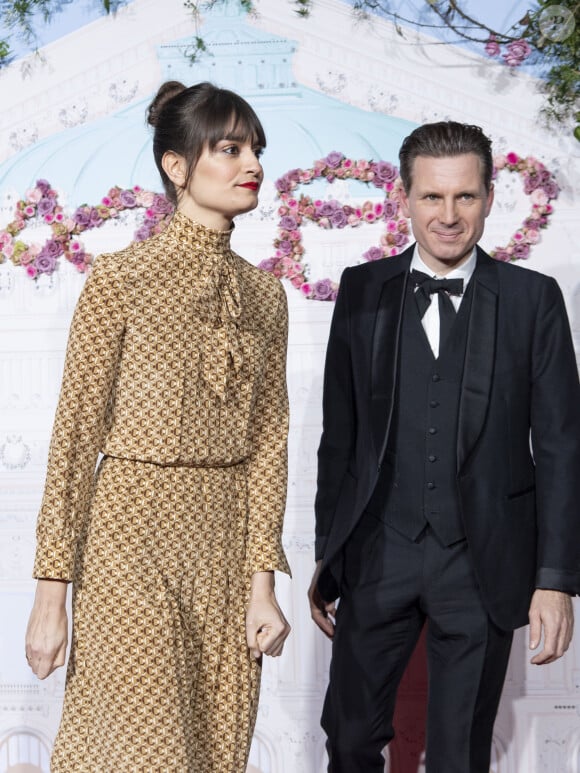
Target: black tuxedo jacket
<point>518,439</point>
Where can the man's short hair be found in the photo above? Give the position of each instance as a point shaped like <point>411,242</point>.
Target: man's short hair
<point>443,139</point>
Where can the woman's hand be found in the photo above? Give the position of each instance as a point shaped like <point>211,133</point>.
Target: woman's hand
<point>47,632</point>
<point>266,626</point>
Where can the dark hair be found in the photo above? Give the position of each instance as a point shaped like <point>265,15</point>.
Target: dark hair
<point>445,138</point>
<point>186,120</point>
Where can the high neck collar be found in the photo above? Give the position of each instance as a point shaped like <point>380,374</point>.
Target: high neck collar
<point>211,238</point>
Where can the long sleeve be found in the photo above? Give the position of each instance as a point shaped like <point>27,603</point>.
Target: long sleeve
<point>338,420</point>
<point>91,363</point>
<point>268,464</point>
<point>555,421</point>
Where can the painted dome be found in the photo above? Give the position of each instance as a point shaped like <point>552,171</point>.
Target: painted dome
<point>301,125</point>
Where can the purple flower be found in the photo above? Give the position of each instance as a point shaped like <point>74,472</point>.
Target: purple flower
<point>82,216</point>
<point>128,199</point>
<point>161,205</point>
<point>45,264</point>
<point>288,223</point>
<point>78,258</point>
<point>521,251</point>
<point>492,46</point>
<point>544,176</point>
<point>502,255</point>
<point>52,249</point>
<point>327,208</point>
<point>516,52</point>
<point>322,290</point>
<point>339,219</point>
<point>283,184</point>
<point>373,253</point>
<point>391,209</point>
<point>285,246</point>
<point>268,264</point>
<point>384,173</point>
<point>142,233</point>
<point>531,182</point>
<point>94,218</point>
<point>551,189</point>
<point>333,159</point>
<point>46,206</point>
<point>44,186</point>
<point>399,239</point>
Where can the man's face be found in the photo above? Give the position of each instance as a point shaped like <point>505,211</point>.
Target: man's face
<point>447,204</point>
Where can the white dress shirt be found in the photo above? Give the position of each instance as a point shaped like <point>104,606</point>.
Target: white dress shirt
<point>430,320</point>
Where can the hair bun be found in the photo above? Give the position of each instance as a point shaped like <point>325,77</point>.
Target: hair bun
<point>167,91</point>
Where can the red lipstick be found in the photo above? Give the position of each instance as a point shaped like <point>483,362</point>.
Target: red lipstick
<point>251,185</point>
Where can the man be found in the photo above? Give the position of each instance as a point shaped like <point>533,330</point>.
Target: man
<point>448,469</point>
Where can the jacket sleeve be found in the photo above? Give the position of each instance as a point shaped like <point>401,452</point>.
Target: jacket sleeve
<point>555,423</point>
<point>91,362</point>
<point>268,464</point>
<point>338,420</point>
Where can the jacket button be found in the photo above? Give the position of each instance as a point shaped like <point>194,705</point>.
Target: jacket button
<point>434,404</point>
<point>431,485</point>
<point>432,430</point>
<point>435,377</point>
<point>432,458</point>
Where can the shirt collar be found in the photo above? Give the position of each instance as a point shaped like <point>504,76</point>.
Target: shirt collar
<point>464,271</point>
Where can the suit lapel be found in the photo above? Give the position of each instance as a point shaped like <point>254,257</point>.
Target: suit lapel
<point>385,350</point>
<point>479,357</point>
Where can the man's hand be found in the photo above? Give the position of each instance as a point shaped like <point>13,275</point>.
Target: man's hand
<point>552,611</point>
<point>322,613</point>
<point>266,626</point>
<point>47,632</point>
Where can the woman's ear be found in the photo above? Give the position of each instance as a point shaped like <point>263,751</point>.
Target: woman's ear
<point>175,167</point>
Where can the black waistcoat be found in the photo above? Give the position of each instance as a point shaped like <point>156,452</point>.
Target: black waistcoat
<point>417,484</point>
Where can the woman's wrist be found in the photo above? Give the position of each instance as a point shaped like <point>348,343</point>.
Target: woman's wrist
<point>262,585</point>
<point>51,591</point>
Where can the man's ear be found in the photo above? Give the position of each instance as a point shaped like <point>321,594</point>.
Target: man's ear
<point>175,167</point>
<point>489,201</point>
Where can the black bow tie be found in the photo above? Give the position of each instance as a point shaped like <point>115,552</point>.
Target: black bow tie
<point>428,285</point>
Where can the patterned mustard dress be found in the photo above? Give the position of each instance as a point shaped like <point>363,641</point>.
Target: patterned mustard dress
<point>175,372</point>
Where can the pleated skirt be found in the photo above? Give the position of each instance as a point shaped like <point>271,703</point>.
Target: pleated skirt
<point>160,677</point>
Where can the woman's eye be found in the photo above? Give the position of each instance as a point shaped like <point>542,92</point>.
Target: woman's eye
<point>231,149</point>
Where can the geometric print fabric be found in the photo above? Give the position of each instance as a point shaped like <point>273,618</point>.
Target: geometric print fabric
<point>175,371</point>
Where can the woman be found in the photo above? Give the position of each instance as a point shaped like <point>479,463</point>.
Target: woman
<point>175,371</point>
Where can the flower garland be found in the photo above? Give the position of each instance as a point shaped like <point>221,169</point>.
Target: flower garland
<point>41,206</point>
<point>539,184</point>
<point>287,260</point>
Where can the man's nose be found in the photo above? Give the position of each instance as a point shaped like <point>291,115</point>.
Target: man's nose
<point>448,213</point>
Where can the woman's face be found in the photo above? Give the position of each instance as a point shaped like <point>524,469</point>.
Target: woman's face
<point>224,183</point>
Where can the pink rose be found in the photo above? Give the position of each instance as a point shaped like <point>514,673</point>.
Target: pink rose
<point>34,195</point>
<point>539,196</point>
<point>492,46</point>
<point>532,236</point>
<point>512,158</point>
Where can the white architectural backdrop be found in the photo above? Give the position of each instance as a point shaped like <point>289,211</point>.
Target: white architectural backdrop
<point>75,116</point>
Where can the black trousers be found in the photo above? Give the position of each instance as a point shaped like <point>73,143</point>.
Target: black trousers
<point>392,587</point>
